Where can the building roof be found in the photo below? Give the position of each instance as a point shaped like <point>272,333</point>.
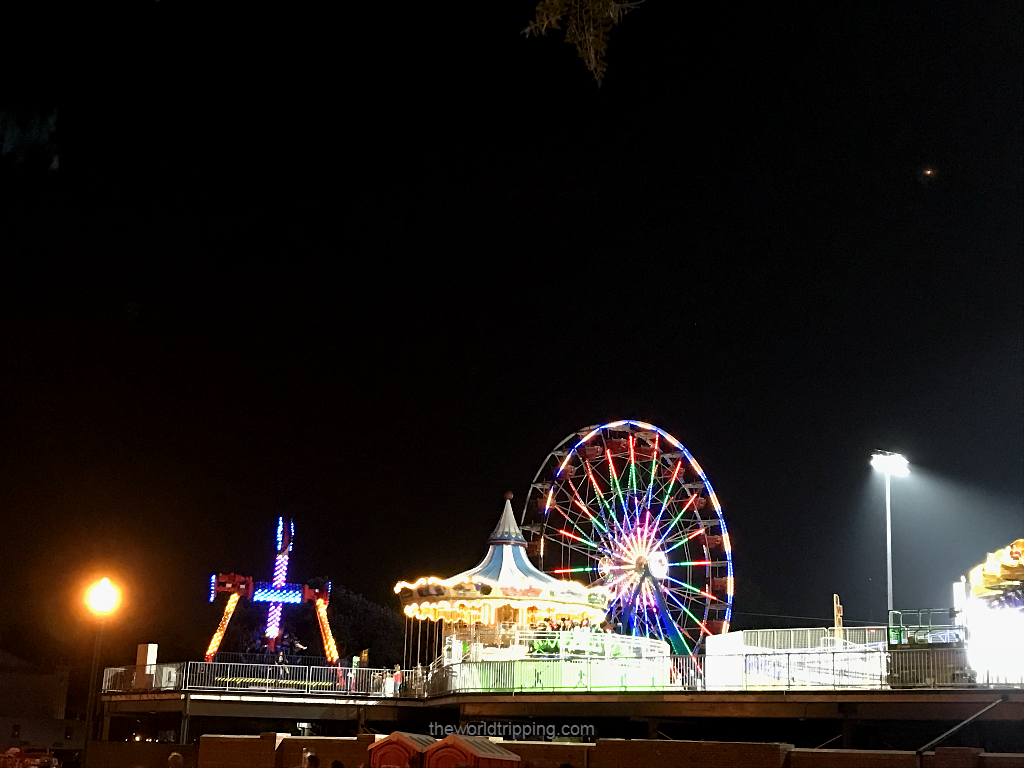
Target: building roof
<point>418,742</point>
<point>481,746</point>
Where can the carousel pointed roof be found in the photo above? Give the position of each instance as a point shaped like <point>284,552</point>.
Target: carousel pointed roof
<point>507,531</point>
<point>506,562</point>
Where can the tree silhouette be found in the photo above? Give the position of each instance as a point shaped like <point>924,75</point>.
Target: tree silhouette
<point>588,24</point>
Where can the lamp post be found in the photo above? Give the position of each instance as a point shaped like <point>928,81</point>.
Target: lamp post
<point>892,465</point>
<point>102,599</point>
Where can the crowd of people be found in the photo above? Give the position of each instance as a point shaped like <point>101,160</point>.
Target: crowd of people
<point>565,624</point>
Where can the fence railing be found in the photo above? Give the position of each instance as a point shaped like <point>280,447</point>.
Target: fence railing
<point>816,670</point>
<point>148,677</point>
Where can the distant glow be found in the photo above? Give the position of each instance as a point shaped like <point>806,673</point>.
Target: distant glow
<point>993,647</point>
<point>892,464</point>
<point>102,597</point>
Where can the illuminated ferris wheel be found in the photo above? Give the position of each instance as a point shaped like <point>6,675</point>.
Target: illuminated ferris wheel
<point>625,505</point>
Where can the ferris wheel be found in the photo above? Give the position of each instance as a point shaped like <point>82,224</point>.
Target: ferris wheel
<point>625,505</point>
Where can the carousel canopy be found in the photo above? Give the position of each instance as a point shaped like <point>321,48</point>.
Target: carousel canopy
<point>504,579</point>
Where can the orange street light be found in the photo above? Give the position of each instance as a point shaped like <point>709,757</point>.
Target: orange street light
<point>102,598</point>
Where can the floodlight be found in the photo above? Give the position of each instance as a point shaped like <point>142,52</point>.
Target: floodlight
<point>892,464</point>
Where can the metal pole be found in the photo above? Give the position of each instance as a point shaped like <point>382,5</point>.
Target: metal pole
<point>93,685</point>
<point>888,539</point>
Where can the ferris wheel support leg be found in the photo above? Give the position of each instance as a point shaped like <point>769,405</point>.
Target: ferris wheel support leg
<point>632,601</point>
<point>675,637</point>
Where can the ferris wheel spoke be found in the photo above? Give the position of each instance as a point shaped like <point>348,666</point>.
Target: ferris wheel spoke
<point>615,481</point>
<point>668,489</point>
<point>691,588</point>
<point>573,523</point>
<point>654,471</point>
<point>690,536</point>
<point>672,525</point>
<point>602,503</point>
<point>586,510</point>
<point>689,613</point>
<point>688,563</point>
<point>572,547</point>
<point>575,570</point>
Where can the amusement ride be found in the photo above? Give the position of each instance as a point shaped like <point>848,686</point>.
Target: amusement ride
<point>277,593</point>
<point>625,506</point>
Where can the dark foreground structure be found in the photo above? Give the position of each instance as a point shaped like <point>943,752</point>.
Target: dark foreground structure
<point>860,720</point>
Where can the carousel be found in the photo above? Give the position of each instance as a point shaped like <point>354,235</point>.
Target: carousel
<point>505,625</point>
<point>503,592</point>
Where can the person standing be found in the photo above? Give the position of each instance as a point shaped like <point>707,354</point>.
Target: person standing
<point>396,681</point>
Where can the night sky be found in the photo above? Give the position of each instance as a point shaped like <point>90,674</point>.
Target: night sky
<point>367,267</point>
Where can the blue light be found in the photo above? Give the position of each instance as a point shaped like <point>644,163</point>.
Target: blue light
<point>213,587</point>
<point>268,593</point>
<point>280,533</point>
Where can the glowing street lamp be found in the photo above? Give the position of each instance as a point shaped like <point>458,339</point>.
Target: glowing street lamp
<point>892,465</point>
<point>102,599</point>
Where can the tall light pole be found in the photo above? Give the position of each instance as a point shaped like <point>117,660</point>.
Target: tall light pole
<point>102,598</point>
<point>892,465</point>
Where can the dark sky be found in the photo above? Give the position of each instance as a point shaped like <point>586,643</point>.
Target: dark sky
<point>368,268</point>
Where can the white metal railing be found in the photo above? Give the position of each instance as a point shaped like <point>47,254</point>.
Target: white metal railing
<point>575,643</point>
<point>148,677</point>
<point>580,672</point>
